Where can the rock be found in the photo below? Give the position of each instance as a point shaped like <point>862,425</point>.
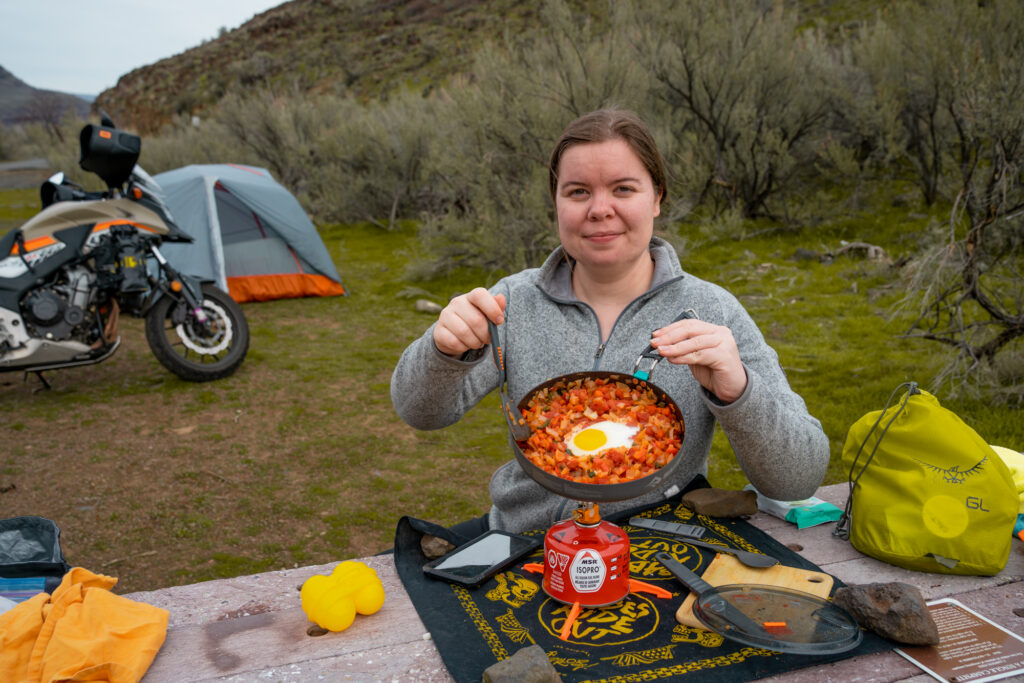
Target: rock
<point>892,610</point>
<point>424,306</point>
<point>528,665</point>
<point>434,547</point>
<point>802,254</point>
<point>412,293</point>
<point>721,502</point>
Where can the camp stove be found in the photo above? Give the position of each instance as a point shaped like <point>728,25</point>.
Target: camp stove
<point>586,560</point>
<point>586,564</point>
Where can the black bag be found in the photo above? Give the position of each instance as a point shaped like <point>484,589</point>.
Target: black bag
<point>30,547</point>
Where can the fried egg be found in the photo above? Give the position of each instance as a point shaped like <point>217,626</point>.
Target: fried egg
<point>600,436</point>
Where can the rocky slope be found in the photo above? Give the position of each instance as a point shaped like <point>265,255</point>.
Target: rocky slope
<point>361,47</point>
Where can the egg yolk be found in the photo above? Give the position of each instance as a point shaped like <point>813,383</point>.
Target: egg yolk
<point>590,439</point>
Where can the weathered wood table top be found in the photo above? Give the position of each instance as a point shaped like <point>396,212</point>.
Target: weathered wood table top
<point>252,628</point>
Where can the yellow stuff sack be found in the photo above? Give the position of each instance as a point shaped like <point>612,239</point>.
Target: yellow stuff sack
<point>926,491</point>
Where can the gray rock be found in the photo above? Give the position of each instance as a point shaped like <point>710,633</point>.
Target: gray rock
<point>425,306</point>
<point>528,665</point>
<point>434,547</point>
<point>721,502</point>
<point>896,611</point>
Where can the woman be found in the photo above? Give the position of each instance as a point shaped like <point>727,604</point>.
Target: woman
<point>593,306</point>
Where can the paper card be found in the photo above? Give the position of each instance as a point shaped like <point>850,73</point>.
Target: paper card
<point>971,647</point>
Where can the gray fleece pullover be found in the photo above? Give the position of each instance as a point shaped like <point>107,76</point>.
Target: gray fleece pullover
<point>549,332</point>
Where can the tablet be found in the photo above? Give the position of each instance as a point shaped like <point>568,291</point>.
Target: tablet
<point>473,563</point>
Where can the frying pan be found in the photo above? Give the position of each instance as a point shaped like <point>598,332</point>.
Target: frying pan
<point>598,493</point>
<point>769,617</point>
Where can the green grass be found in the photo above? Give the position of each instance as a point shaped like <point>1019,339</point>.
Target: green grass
<point>16,207</point>
<point>299,458</point>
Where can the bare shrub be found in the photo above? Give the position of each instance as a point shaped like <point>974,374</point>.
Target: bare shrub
<point>905,63</point>
<point>370,166</point>
<point>13,143</point>
<point>744,90</point>
<point>183,143</point>
<point>969,287</point>
<point>347,160</point>
<point>283,130</point>
<point>499,124</point>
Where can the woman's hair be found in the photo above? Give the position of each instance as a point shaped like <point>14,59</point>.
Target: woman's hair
<point>611,124</point>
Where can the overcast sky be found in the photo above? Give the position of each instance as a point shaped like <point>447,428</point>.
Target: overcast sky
<point>84,46</point>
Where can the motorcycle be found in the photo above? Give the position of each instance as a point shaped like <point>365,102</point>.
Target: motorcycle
<point>68,274</point>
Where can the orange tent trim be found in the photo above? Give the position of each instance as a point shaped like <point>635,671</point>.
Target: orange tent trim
<point>283,286</point>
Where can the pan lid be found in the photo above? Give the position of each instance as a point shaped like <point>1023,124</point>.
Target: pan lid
<point>769,617</point>
<point>779,619</point>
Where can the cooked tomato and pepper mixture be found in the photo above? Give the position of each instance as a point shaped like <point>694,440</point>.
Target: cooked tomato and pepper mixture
<point>556,413</point>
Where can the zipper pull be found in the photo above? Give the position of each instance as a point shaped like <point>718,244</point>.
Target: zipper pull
<point>600,350</point>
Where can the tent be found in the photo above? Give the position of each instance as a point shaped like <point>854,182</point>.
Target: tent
<point>251,235</point>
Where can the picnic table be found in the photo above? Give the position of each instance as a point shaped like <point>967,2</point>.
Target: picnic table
<point>252,628</point>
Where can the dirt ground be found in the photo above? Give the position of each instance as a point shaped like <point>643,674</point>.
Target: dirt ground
<point>160,482</point>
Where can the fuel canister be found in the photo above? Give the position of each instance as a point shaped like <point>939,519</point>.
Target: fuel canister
<point>586,561</point>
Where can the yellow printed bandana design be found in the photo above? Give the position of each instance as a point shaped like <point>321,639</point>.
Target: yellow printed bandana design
<point>643,566</point>
<point>630,659</point>
<point>513,589</point>
<point>511,627</point>
<point>630,620</point>
<point>688,634</point>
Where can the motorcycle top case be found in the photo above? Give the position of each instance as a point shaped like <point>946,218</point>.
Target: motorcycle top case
<point>931,495</point>
<point>30,547</point>
<point>109,153</point>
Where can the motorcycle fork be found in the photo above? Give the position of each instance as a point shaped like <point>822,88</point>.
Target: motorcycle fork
<point>188,287</point>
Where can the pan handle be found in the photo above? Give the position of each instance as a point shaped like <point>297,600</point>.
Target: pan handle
<point>708,597</point>
<point>652,354</point>
<point>499,360</point>
<point>685,576</point>
<point>520,430</point>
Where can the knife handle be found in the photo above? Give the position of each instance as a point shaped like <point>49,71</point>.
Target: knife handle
<point>687,577</point>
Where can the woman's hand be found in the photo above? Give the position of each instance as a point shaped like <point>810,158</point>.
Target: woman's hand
<point>709,350</point>
<point>462,324</point>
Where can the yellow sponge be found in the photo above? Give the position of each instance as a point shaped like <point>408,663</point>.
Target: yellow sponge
<point>333,601</point>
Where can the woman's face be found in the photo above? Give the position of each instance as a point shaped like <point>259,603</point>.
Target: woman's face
<point>606,203</point>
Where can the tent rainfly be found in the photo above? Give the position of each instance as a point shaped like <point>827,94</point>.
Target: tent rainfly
<point>251,235</point>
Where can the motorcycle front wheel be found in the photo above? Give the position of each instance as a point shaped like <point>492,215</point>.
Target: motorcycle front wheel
<point>199,351</point>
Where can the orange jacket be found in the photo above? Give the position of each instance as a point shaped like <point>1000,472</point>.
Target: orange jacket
<point>82,632</point>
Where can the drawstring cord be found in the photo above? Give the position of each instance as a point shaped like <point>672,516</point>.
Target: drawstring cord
<point>842,529</point>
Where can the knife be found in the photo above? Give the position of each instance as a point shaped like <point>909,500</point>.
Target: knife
<point>685,530</point>
<point>688,530</point>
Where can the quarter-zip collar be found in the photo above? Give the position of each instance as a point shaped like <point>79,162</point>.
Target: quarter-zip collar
<point>556,273</point>
<point>556,282</point>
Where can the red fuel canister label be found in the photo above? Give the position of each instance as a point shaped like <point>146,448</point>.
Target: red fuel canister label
<point>587,571</point>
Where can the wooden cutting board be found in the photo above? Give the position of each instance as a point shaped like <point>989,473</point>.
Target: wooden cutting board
<point>726,569</point>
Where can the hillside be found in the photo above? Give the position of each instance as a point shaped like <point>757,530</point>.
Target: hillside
<point>20,102</point>
<point>365,47</point>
